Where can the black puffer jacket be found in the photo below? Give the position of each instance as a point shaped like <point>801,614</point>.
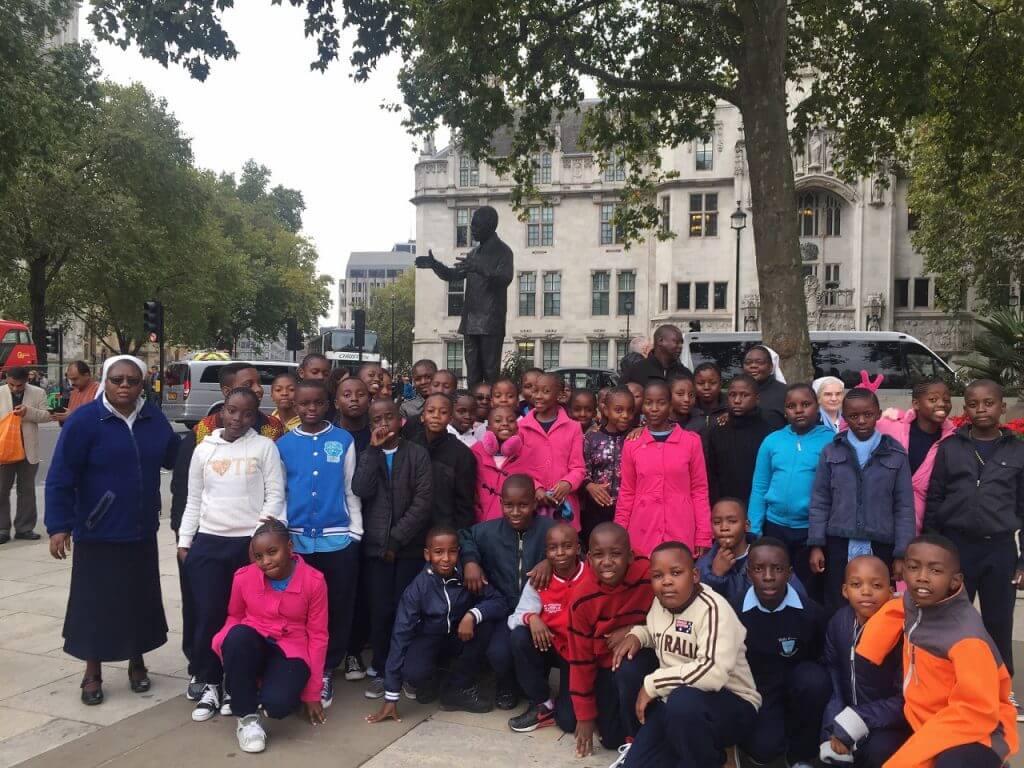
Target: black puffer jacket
<point>396,508</point>
<point>974,500</point>
<point>454,468</point>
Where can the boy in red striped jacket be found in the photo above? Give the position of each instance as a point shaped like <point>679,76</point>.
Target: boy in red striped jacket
<point>613,596</point>
<point>540,635</point>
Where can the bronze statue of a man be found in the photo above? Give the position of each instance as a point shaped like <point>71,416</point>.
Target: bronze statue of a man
<point>487,270</point>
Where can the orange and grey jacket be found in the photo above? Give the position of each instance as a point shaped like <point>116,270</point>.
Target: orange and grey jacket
<point>956,688</point>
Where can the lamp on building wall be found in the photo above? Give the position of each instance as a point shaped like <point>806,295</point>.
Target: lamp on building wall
<point>738,221</point>
<point>627,305</point>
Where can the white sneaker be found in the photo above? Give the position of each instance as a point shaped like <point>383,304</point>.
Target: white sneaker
<point>251,736</point>
<point>409,691</point>
<point>208,706</point>
<point>371,672</point>
<point>1016,706</point>
<point>621,759</point>
<point>225,704</point>
<point>801,764</point>
<point>375,690</point>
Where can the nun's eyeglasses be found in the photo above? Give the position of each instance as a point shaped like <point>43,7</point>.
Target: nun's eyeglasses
<point>131,381</point>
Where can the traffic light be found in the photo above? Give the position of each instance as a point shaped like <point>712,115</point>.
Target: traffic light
<point>153,320</point>
<point>359,328</point>
<point>294,341</point>
<point>52,340</point>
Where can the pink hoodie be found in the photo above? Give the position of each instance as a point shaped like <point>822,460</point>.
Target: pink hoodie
<point>899,430</point>
<point>296,619</point>
<point>663,494</point>
<point>552,456</point>
<point>489,479</point>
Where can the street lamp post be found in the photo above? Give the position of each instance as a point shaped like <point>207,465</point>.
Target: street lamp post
<point>393,343</point>
<point>627,305</point>
<point>737,221</point>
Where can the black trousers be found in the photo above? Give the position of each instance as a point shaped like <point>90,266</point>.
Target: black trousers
<point>257,672</point>
<point>532,667</point>
<point>836,558</point>
<point>499,656</point>
<point>880,745</point>
<point>968,756</point>
<point>690,729</point>
<point>341,572</point>
<point>789,721</point>
<point>359,636</point>
<point>385,583</point>
<point>188,615</point>
<point>483,358</point>
<point>795,540</point>
<point>464,659</point>
<point>989,565</point>
<point>211,565</point>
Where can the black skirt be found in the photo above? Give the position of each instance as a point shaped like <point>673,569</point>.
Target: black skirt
<point>115,609</point>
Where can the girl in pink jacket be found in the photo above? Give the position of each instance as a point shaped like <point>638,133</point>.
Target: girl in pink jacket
<point>919,431</point>
<point>275,634</point>
<point>497,457</point>
<point>663,491</point>
<point>553,452</point>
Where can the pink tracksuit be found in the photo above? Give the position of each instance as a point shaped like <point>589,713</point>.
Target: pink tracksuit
<point>552,456</point>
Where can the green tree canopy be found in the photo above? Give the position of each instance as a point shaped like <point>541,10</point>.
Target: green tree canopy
<point>398,347</point>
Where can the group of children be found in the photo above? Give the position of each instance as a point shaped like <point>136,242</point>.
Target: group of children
<point>700,579</point>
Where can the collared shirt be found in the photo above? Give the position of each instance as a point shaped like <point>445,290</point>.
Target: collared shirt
<point>864,448</point>
<point>80,397</point>
<point>790,600</point>
<point>130,418</point>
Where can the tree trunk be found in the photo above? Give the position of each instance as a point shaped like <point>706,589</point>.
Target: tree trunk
<point>762,88</point>
<point>37,303</point>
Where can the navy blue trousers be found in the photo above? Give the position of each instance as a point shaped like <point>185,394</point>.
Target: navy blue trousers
<point>385,583</point>
<point>532,668</point>
<point>879,746</point>
<point>989,565</point>
<point>341,572</point>
<point>795,540</point>
<point>968,756</point>
<point>499,656</point>
<point>188,618</point>
<point>464,659</point>
<point>789,721</point>
<point>257,672</point>
<point>210,568</point>
<point>690,729</point>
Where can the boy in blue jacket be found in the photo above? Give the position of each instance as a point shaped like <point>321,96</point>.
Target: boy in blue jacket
<point>437,617</point>
<point>324,515</point>
<point>784,476</point>
<point>863,500</point>
<point>505,553</point>
<point>863,724</point>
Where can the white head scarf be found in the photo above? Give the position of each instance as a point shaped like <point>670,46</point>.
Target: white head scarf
<point>817,384</point>
<point>776,368</point>
<point>109,363</point>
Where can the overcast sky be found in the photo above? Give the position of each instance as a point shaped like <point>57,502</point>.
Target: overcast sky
<point>323,134</point>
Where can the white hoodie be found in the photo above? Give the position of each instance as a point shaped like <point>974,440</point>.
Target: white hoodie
<point>232,486</point>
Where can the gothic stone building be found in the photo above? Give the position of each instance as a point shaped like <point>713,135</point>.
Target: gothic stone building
<point>578,293</point>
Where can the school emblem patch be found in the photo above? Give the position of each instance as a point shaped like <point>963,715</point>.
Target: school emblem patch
<point>787,646</point>
<point>333,449</point>
<point>682,625</point>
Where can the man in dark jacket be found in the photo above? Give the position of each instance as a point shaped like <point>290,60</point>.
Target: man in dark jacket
<point>663,361</point>
<point>488,271</point>
<point>453,463</point>
<point>976,498</point>
<point>394,479</point>
<point>505,553</point>
<point>757,362</point>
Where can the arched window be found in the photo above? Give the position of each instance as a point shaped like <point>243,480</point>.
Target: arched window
<point>819,214</point>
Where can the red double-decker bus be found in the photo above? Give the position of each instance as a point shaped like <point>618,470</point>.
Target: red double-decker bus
<point>16,347</point>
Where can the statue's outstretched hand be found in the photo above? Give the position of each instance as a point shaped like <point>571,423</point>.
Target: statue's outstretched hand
<point>425,262</point>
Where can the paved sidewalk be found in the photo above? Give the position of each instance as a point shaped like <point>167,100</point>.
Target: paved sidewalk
<point>44,725</point>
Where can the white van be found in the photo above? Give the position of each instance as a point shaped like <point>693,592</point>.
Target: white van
<point>902,359</point>
<point>192,387</point>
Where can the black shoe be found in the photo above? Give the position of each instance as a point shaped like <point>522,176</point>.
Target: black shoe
<point>465,700</point>
<point>95,696</point>
<point>195,689</point>
<point>505,698</point>
<point>4,538</point>
<point>532,718</point>
<point>427,694</point>
<point>28,536</point>
<point>138,678</point>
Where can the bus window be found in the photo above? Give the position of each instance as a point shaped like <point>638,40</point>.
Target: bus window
<point>921,364</point>
<point>846,360</point>
<point>728,355</point>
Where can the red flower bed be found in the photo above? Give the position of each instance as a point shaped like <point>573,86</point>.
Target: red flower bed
<point>1016,426</point>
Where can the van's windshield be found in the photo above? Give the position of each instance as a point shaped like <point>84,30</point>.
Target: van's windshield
<point>901,363</point>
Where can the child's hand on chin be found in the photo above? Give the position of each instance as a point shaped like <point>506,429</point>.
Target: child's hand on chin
<point>387,712</point>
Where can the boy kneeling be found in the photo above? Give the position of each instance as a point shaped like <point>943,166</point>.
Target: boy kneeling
<point>702,695</point>
<point>438,616</point>
<point>956,686</point>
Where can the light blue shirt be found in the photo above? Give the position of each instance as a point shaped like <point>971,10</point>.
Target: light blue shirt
<point>280,585</point>
<point>864,448</point>
<point>790,600</point>
<point>389,457</point>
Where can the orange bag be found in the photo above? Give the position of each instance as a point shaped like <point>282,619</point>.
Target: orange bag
<point>12,450</point>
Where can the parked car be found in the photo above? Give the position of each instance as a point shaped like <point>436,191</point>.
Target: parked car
<point>593,379</point>
<point>899,357</point>
<point>191,387</point>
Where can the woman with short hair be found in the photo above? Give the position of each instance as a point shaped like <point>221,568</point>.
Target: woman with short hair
<point>103,491</point>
